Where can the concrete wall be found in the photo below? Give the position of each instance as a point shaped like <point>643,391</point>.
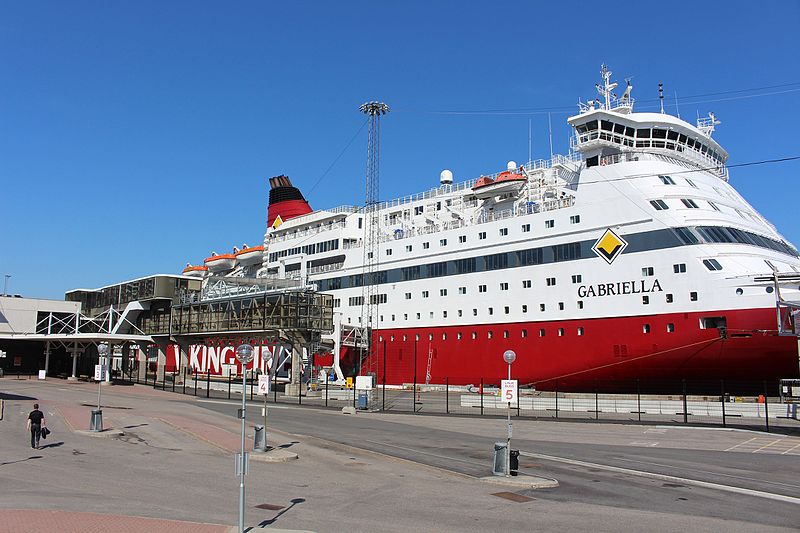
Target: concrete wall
<point>19,314</point>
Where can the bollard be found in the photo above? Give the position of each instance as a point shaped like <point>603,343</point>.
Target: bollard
<point>260,439</point>
<point>96,423</point>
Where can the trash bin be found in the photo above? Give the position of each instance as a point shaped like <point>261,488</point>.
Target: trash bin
<point>499,465</point>
<point>96,423</point>
<point>362,401</point>
<point>260,439</point>
<point>514,462</point>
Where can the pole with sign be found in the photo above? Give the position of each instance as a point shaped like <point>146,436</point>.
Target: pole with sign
<point>244,354</point>
<point>263,388</point>
<point>509,391</point>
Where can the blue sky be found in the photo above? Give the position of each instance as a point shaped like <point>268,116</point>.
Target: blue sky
<point>138,136</point>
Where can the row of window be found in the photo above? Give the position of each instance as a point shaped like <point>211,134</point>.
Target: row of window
<point>661,205</point>
<point>308,249</point>
<point>560,332</point>
<point>645,138</point>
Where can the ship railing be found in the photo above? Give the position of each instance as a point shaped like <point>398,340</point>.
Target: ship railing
<point>306,232</point>
<point>325,268</point>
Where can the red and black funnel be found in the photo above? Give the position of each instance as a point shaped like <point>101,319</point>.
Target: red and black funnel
<point>285,200</point>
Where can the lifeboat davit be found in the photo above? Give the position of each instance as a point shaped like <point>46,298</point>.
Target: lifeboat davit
<point>195,271</point>
<point>250,255</point>
<point>220,263</point>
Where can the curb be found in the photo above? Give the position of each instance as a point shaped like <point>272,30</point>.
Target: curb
<point>527,482</point>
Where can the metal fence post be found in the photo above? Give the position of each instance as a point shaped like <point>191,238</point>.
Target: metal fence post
<point>447,395</point>
<point>275,387</point>
<point>208,382</point>
<point>173,382</point>
<point>639,400</point>
<point>685,409</point>
<point>481,391</point>
<point>229,384</point>
<point>195,383</point>
<point>252,383</point>
<point>184,380</point>
<point>766,408</point>
<point>300,391</point>
<point>596,403</point>
<point>722,400</point>
<point>326,390</point>
<point>556,398</point>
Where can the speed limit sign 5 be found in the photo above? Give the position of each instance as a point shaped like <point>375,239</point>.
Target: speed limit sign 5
<point>508,390</point>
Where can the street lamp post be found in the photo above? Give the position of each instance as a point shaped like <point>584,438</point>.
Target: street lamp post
<point>509,356</point>
<point>244,353</point>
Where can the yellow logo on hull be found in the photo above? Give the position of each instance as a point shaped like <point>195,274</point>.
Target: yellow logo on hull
<point>609,246</point>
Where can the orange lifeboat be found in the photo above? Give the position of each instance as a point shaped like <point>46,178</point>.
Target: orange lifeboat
<point>509,175</point>
<point>249,255</point>
<point>483,181</point>
<point>220,262</point>
<point>195,271</point>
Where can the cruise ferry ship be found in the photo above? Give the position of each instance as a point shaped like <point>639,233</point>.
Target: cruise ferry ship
<point>633,257</point>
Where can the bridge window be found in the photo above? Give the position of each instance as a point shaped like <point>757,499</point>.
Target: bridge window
<point>688,202</point>
<point>712,264</point>
<point>659,205</point>
<point>667,180</point>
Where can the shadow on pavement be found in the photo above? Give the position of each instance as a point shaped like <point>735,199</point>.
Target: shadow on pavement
<point>22,460</point>
<point>52,445</point>
<point>289,444</point>
<point>271,521</point>
<point>7,396</point>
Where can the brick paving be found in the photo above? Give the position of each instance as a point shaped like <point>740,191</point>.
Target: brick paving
<point>37,520</point>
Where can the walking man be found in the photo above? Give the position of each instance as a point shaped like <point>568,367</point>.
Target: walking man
<point>35,424</point>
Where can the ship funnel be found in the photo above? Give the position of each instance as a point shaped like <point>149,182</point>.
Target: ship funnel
<point>446,177</point>
<point>285,200</point>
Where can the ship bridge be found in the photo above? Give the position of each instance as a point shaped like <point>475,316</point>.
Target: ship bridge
<point>607,128</point>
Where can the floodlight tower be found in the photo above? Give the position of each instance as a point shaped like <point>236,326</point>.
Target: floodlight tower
<point>369,293</point>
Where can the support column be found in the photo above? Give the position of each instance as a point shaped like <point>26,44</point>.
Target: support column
<point>162,360</point>
<point>74,377</point>
<point>141,357</point>
<point>46,357</point>
<point>296,386</point>
<point>126,353</point>
<point>183,363</point>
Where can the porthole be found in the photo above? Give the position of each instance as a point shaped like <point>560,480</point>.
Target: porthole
<point>739,291</point>
<point>770,290</point>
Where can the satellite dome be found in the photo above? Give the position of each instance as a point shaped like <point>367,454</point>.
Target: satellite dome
<point>446,177</point>
<point>511,165</point>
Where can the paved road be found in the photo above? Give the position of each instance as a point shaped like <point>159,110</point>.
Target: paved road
<point>464,445</point>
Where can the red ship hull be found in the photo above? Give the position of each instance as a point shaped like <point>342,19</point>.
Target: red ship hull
<point>609,353</point>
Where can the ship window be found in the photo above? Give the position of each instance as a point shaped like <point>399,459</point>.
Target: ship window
<point>560,332</point>
<point>505,333</point>
<point>591,125</point>
<point>419,316</point>
<point>712,264</point>
<point>666,180</point>
<point>672,135</point>
<point>645,328</point>
<point>526,284</point>
<point>686,236</point>
<point>549,223</point>
<point>425,294</point>
<point>474,312</point>
<point>690,143</point>
<point>551,282</point>
<point>409,248</point>
<point>526,228</point>
<point>503,232</point>
<point>642,144</point>
<point>669,298</point>
<point>460,313</point>
<point>580,332</point>
<point>659,205</point>
<point>541,332</point>
<point>682,138</point>
<point>714,206</point>
<point>442,292</point>
<point>504,286</point>
<point>659,133</point>
<point>577,278</point>
<point>482,235</point>
<point>670,327</point>
<point>462,290</point>
<point>575,219</point>
<point>606,125</point>
<point>524,308</point>
<point>474,335</point>
<point>426,245</point>
<point>491,311</point>
<point>442,242</point>
<point>541,307</point>
<point>688,202</point>
<point>418,210</point>
<point>648,271</point>
<point>524,333</point>
<point>506,309</point>
<point>405,317</point>
<point>560,306</point>
<point>693,296</point>
<point>458,335</point>
<point>462,238</point>
<point>580,304</point>
<point>408,296</point>
<point>645,300</point>
<point>619,128</point>
<point>713,322</point>
<point>630,132</point>
<point>496,261</point>
<point>489,334</point>
<point>643,133</point>
<point>465,266</point>
<point>690,182</point>
<point>481,288</point>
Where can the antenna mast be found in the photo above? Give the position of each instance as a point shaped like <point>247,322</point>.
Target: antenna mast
<point>369,292</point>
<point>661,96</point>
